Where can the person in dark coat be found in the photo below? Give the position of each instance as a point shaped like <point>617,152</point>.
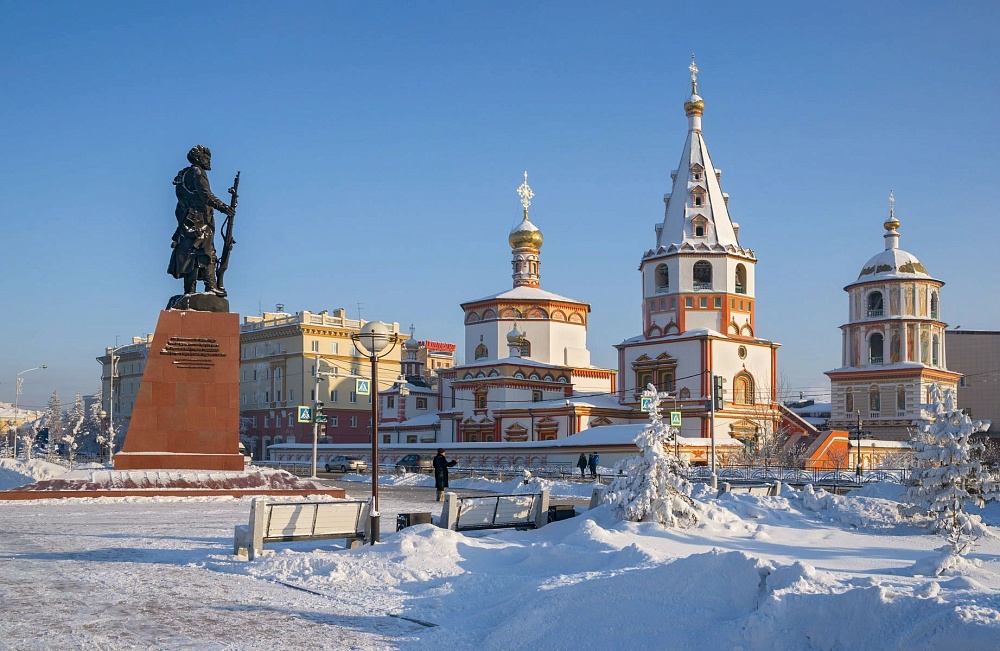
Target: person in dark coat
<point>581,463</point>
<point>592,462</point>
<point>441,465</point>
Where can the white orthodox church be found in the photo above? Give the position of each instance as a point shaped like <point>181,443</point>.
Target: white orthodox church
<point>529,376</point>
<point>893,344</point>
<point>698,303</point>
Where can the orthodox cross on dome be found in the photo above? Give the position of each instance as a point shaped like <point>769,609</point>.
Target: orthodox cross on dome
<point>413,329</point>
<point>524,190</point>
<point>892,206</point>
<point>694,75</point>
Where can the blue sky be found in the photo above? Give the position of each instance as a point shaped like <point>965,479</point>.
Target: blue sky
<point>380,145</point>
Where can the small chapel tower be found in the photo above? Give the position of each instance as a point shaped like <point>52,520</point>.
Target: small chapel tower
<point>893,343</point>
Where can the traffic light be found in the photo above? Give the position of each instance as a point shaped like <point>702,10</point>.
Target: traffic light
<point>318,414</point>
<point>720,400</point>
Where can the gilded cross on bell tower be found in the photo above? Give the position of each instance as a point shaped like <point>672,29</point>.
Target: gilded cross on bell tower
<point>694,75</point>
<point>524,190</point>
<point>892,206</point>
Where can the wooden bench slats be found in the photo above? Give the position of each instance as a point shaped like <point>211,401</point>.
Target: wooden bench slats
<point>289,521</point>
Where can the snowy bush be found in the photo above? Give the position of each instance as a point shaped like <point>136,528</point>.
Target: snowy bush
<point>948,471</point>
<point>649,485</point>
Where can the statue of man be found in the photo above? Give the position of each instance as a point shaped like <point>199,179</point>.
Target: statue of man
<point>193,257</point>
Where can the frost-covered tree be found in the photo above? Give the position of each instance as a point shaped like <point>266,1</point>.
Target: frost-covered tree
<point>76,422</point>
<point>649,485</point>
<point>54,423</point>
<point>947,472</point>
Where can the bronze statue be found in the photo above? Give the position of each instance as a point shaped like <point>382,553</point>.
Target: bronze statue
<point>193,257</point>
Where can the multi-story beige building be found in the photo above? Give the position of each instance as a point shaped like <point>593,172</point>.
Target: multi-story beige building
<point>121,374</point>
<point>976,355</point>
<point>284,359</point>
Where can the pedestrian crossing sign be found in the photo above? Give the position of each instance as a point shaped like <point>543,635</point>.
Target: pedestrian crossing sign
<point>675,419</point>
<point>363,388</point>
<point>645,404</point>
<point>305,414</point>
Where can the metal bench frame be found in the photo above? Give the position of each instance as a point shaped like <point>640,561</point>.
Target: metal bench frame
<point>508,511</point>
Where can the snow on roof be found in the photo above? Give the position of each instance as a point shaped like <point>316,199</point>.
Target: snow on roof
<point>581,400</point>
<point>519,361</point>
<point>422,420</point>
<point>527,294</point>
<point>625,434</point>
<point>892,264</point>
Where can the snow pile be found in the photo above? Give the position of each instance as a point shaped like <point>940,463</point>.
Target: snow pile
<point>17,472</point>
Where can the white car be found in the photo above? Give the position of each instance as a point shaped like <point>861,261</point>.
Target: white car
<point>340,463</point>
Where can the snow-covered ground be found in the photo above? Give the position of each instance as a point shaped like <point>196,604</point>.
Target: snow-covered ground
<point>806,570</point>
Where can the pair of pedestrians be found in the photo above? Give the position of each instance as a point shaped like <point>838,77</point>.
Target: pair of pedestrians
<point>586,462</point>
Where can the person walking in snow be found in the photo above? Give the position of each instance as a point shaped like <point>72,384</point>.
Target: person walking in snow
<point>592,462</point>
<point>441,465</point>
<point>581,463</point>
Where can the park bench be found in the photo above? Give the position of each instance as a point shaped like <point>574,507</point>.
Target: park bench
<point>290,521</point>
<point>752,489</point>
<point>525,511</point>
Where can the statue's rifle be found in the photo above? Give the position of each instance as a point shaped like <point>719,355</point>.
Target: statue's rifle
<point>227,234</point>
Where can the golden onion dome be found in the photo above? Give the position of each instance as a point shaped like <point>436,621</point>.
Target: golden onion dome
<point>694,106</point>
<point>514,337</point>
<point>525,235</point>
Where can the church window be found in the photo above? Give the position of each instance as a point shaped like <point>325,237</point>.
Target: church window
<point>390,401</point>
<point>702,275</point>
<point>741,279</point>
<point>481,400</point>
<point>665,381</point>
<point>525,348</point>
<point>743,389</point>
<point>718,302</point>
<point>700,225</point>
<point>685,394</point>
<point>934,351</point>
<point>901,398</point>
<point>644,380</point>
<point>874,399</point>
<point>934,305</point>
<point>741,305</point>
<point>703,302</point>
<point>536,395</point>
<point>688,302</point>
<point>732,304</point>
<point>875,345</point>
<point>849,401</point>
<point>673,303</point>
<point>662,278</point>
<point>699,200</point>
<point>482,352</point>
<point>663,305</point>
<point>421,403</point>
<point>875,304</point>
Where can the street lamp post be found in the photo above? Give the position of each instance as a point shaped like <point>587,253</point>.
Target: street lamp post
<point>104,430</point>
<point>858,468</point>
<point>317,407</point>
<point>17,394</point>
<point>376,341</point>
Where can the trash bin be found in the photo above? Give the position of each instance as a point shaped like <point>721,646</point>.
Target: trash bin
<point>561,512</point>
<point>404,520</point>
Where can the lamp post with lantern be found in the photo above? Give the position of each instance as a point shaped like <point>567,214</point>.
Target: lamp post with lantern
<point>18,382</point>
<point>376,341</point>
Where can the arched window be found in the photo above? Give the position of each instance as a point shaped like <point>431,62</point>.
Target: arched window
<point>934,305</point>
<point>482,352</point>
<point>685,393</point>
<point>743,391</point>
<point>741,279</point>
<point>874,399</point>
<point>875,346</point>
<point>662,278</point>
<point>849,401</point>
<point>934,350</point>
<point>875,304</point>
<point>901,398</point>
<point>525,347</point>
<point>702,275</point>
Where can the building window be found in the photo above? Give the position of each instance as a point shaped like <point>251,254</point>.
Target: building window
<point>901,398</point>
<point>334,348</point>
<point>421,403</point>
<point>266,422</point>
<point>291,422</point>
<point>741,279</point>
<point>387,438</point>
<point>702,275</point>
<point>411,438</point>
<point>662,278</point>
<point>934,351</point>
<point>315,345</point>
<point>333,395</point>
<point>390,401</point>
<point>525,348</point>
<point>673,304</point>
<point>665,380</point>
<point>482,352</point>
<point>703,303</point>
<point>536,395</point>
<point>849,401</point>
<point>875,345</point>
<point>354,421</point>
<point>353,397</point>
<point>334,421</point>
<point>480,401</point>
<point>688,302</point>
<point>743,389</point>
<point>718,302</point>
<point>875,304</point>
<point>934,305</point>
<point>874,399</point>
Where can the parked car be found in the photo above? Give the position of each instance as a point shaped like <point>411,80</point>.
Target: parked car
<point>340,463</point>
<point>415,462</point>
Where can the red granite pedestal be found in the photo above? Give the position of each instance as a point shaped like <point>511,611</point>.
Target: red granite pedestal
<point>186,415</point>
